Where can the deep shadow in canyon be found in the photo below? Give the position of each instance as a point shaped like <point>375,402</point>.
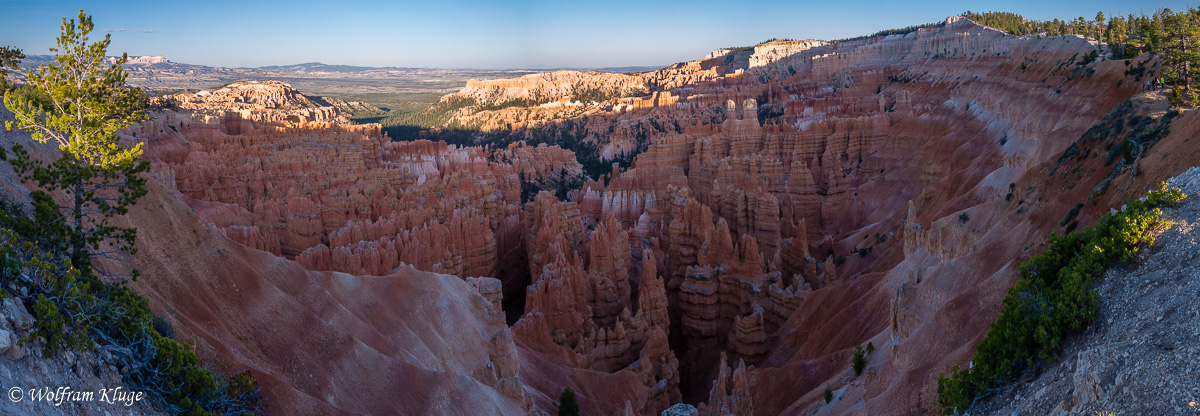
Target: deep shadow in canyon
<point>771,207</point>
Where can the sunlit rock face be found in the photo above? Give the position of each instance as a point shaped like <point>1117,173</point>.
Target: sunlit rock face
<point>340,197</point>
<point>790,189</point>
<point>772,207</point>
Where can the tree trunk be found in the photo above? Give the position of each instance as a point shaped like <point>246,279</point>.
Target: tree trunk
<point>1180,60</point>
<point>79,252</point>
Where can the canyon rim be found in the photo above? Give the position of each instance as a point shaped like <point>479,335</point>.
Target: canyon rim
<point>793,227</point>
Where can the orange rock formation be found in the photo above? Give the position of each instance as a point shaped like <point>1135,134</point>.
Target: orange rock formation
<point>784,203</point>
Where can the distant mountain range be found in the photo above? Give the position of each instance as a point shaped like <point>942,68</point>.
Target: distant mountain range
<point>158,74</point>
<point>317,66</point>
<point>160,61</point>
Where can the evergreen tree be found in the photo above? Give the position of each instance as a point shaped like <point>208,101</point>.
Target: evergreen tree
<point>1153,29</point>
<point>1181,46</point>
<point>1117,36</point>
<point>80,103</point>
<point>9,58</point>
<point>567,405</point>
<point>859,361</point>
<point>1173,36</point>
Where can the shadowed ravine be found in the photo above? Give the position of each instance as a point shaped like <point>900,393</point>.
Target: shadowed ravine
<point>770,209</point>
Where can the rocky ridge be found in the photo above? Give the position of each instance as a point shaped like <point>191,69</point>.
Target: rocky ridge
<point>772,218</point>
<point>818,180</point>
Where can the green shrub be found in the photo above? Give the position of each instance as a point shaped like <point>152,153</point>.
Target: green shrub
<point>45,211</point>
<point>168,368</point>
<point>1052,297</point>
<point>1074,211</point>
<point>74,310</point>
<point>1089,58</point>
<point>828,394</point>
<point>60,298</point>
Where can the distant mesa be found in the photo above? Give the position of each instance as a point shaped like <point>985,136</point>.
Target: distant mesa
<point>268,101</point>
<point>141,60</point>
<point>760,211</point>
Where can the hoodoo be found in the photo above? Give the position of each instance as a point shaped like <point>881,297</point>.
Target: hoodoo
<point>796,227</point>
<point>792,202</point>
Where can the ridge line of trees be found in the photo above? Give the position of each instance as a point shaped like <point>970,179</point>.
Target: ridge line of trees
<point>1173,35</point>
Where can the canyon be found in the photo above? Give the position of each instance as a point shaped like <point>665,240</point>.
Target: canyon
<point>760,212</point>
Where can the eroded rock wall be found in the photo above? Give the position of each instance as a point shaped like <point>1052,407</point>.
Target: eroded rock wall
<point>783,203</point>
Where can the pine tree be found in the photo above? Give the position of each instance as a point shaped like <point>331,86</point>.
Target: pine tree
<point>1117,36</point>
<point>1153,29</point>
<point>9,58</point>
<point>859,361</point>
<point>1181,45</point>
<point>567,405</point>
<point>80,103</point>
<point>1078,26</point>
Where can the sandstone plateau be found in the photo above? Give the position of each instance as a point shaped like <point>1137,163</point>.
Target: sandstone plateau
<point>769,209</point>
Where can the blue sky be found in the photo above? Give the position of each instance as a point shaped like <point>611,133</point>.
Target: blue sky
<point>485,34</point>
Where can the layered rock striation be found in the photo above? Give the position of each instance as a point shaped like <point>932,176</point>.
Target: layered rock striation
<point>770,206</point>
<point>798,197</point>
